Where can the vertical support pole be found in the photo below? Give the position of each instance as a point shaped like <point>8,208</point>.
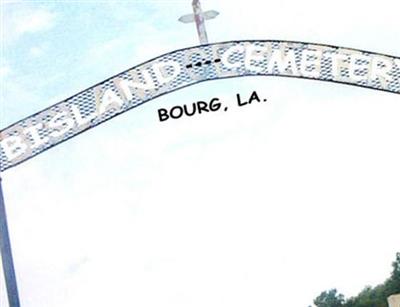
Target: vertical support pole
<point>199,19</point>
<point>6,256</point>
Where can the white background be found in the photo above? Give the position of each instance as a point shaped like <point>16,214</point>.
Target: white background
<point>265,205</point>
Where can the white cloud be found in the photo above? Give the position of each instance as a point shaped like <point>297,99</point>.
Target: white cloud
<point>36,51</point>
<point>4,71</point>
<point>34,21</point>
<point>20,21</point>
<point>309,21</point>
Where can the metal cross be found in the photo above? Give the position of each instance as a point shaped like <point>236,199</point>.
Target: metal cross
<point>198,17</point>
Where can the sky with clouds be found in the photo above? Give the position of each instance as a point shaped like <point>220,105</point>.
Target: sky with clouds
<point>266,205</point>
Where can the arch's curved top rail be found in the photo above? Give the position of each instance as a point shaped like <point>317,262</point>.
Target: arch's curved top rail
<point>175,70</point>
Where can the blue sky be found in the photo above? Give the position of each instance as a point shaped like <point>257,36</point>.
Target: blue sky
<point>266,205</point>
<point>77,36</point>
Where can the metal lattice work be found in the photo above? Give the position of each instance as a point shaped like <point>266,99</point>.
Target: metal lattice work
<point>175,70</point>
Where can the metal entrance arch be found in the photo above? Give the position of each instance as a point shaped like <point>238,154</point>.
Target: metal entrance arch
<point>181,68</point>
<point>35,134</point>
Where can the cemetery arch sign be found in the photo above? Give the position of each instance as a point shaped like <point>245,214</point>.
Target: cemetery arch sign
<point>184,67</point>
